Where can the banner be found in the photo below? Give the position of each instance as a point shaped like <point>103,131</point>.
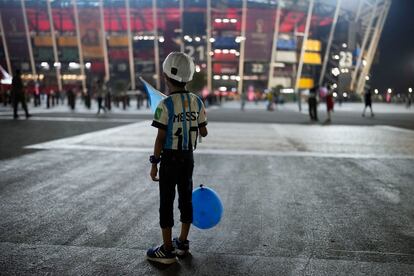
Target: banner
<point>90,33</point>
<point>313,45</point>
<point>67,41</point>
<point>259,34</point>
<point>43,41</point>
<point>118,41</point>
<point>312,58</point>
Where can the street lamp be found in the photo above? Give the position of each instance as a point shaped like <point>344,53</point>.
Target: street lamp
<point>410,90</point>
<point>389,90</point>
<point>376,91</point>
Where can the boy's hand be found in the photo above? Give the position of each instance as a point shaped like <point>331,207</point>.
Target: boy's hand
<point>154,172</point>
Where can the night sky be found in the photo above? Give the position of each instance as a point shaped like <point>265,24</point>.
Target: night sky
<point>395,66</point>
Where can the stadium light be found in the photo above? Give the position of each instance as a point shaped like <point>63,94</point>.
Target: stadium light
<point>335,71</point>
<point>45,65</point>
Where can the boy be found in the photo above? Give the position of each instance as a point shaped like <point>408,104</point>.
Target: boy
<point>179,118</point>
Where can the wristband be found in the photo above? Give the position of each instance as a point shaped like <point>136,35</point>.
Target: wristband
<point>154,160</point>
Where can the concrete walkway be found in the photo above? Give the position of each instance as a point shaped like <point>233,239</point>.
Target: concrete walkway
<point>298,199</point>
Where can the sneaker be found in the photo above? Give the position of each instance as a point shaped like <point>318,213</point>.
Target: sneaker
<point>181,248</point>
<point>160,255</point>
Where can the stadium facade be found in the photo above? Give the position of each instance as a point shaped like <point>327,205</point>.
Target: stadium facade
<point>237,45</point>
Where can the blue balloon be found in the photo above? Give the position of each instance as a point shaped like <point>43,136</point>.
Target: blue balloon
<point>207,208</point>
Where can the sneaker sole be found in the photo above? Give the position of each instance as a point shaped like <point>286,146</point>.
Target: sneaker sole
<point>163,261</point>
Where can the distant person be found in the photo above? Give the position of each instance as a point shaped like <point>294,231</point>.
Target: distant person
<point>409,100</point>
<point>179,118</point>
<point>17,94</point>
<point>313,103</point>
<point>37,101</point>
<point>329,104</point>
<point>368,102</point>
<point>243,97</point>
<point>270,102</point>
<point>100,93</point>
<point>71,98</point>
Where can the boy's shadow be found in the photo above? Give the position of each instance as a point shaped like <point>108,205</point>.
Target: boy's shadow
<point>175,268</point>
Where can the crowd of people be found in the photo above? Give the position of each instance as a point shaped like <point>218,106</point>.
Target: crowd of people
<point>48,97</point>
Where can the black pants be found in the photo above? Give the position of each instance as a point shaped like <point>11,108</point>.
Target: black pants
<point>16,101</point>
<point>176,169</point>
<point>313,113</point>
<point>100,106</point>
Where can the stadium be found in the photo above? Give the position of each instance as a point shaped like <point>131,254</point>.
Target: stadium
<point>239,46</point>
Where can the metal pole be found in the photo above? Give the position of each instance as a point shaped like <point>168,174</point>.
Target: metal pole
<point>373,47</point>
<point>305,38</point>
<point>358,13</point>
<point>182,25</point>
<point>364,42</point>
<point>156,48</point>
<point>328,46</point>
<point>274,44</point>
<point>55,52</point>
<point>29,41</point>
<point>6,49</point>
<point>209,65</point>
<point>78,38</point>
<point>104,44</point>
<point>242,48</point>
<point>130,50</point>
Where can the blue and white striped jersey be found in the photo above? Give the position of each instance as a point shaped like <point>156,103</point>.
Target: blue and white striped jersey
<point>180,114</point>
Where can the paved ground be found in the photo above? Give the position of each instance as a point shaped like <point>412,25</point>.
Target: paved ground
<point>299,199</point>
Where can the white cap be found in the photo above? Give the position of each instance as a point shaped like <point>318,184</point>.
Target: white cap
<point>179,66</point>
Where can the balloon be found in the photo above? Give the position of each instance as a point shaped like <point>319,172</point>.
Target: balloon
<point>154,96</point>
<point>207,208</point>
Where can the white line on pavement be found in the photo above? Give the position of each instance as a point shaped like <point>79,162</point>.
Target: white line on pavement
<point>64,146</point>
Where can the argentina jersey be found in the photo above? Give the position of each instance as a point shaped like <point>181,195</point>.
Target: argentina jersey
<point>180,114</point>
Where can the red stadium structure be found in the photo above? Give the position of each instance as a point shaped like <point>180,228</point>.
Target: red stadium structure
<point>237,45</point>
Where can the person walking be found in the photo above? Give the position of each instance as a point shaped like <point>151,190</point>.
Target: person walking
<point>179,118</point>
<point>100,93</point>
<point>313,103</point>
<point>368,102</point>
<point>329,104</point>
<point>18,95</point>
